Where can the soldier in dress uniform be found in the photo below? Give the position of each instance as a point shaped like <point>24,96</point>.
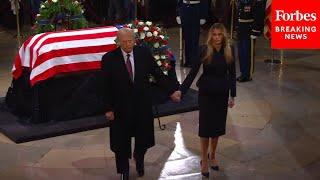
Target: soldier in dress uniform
<point>191,14</point>
<point>250,22</point>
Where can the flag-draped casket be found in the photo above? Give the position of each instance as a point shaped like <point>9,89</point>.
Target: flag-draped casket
<point>56,75</point>
<point>49,54</point>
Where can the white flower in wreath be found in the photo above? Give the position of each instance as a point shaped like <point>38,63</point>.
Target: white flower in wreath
<point>155,33</point>
<point>135,30</point>
<point>161,36</point>
<point>156,45</point>
<point>38,15</point>
<point>159,29</point>
<point>141,23</point>
<point>165,72</point>
<point>142,35</point>
<point>149,34</point>
<point>148,23</point>
<point>76,2</point>
<point>54,1</point>
<point>146,28</point>
<point>159,63</point>
<point>156,57</point>
<point>82,11</point>
<point>163,57</point>
<point>129,25</point>
<point>42,6</point>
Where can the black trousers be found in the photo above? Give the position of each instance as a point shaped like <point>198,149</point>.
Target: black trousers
<point>190,19</point>
<point>245,51</point>
<point>122,161</point>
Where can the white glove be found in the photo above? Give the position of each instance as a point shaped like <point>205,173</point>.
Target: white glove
<point>178,19</point>
<point>202,21</point>
<point>253,37</point>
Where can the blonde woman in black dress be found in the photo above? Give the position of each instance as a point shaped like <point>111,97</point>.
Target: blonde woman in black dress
<point>217,89</point>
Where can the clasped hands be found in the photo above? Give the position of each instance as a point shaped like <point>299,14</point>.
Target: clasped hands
<point>175,97</point>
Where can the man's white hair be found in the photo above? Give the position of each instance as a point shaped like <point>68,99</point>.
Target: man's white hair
<point>124,31</point>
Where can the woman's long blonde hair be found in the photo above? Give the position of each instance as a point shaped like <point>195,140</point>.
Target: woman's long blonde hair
<point>211,50</point>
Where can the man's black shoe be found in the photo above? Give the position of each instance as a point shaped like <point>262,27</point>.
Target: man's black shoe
<point>139,165</point>
<point>140,172</point>
<point>238,78</point>
<point>125,176</point>
<point>243,79</point>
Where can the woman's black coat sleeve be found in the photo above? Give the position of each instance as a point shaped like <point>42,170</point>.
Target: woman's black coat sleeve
<point>190,77</point>
<point>232,78</point>
<point>232,75</point>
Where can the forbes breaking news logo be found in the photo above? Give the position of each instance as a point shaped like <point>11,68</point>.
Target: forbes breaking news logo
<point>295,32</point>
<point>296,25</point>
<point>295,16</point>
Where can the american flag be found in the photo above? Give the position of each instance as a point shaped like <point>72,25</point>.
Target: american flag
<point>51,53</point>
<point>267,22</point>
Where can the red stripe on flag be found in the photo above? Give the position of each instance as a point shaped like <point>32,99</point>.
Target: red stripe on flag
<point>268,10</point>
<point>267,30</point>
<point>66,68</point>
<point>32,46</point>
<point>18,71</point>
<point>268,34</point>
<point>268,24</point>
<point>26,43</point>
<point>73,51</point>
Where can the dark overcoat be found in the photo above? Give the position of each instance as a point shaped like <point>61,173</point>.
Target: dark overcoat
<point>131,101</point>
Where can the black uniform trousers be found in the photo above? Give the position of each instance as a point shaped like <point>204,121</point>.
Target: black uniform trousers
<point>245,45</point>
<point>190,22</point>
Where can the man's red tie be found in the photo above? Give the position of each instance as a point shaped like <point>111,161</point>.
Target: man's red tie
<point>129,66</point>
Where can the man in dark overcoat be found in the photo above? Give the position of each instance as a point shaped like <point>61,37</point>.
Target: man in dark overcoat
<point>128,99</point>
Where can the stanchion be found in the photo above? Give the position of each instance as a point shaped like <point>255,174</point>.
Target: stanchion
<point>180,46</point>
<point>281,56</point>
<point>136,9</point>
<point>161,126</point>
<point>18,23</point>
<point>252,56</point>
<point>232,16</point>
<point>273,60</point>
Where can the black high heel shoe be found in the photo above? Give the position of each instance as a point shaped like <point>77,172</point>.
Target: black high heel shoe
<point>204,174</point>
<point>214,167</point>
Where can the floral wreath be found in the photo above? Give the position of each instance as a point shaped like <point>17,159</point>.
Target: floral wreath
<point>56,15</point>
<point>156,39</point>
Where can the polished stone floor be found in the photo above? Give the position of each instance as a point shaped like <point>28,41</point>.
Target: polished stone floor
<point>273,132</point>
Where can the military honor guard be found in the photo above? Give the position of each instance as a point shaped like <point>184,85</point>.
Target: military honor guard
<point>191,14</point>
<point>250,22</point>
